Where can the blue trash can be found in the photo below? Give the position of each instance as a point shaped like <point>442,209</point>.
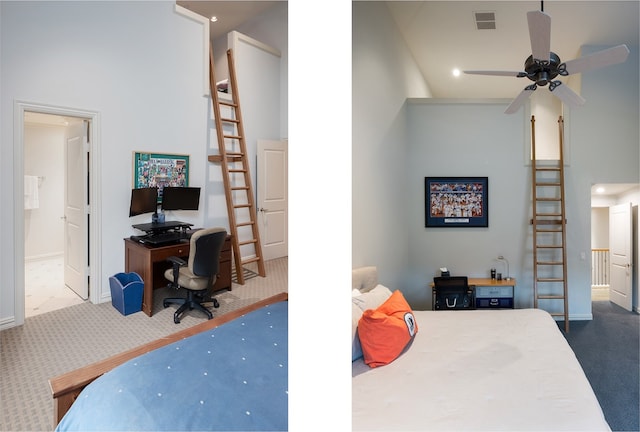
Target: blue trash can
<point>126,292</point>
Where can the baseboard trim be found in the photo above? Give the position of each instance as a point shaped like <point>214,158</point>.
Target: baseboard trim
<point>7,323</point>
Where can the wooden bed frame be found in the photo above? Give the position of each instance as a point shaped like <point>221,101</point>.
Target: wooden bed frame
<point>66,388</point>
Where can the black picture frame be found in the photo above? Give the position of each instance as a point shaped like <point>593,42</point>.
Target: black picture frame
<point>456,202</point>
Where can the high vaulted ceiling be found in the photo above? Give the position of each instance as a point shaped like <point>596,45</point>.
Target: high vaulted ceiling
<point>442,35</point>
<point>230,14</point>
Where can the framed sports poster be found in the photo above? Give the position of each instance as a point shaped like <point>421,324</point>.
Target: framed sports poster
<point>160,170</point>
<point>456,201</point>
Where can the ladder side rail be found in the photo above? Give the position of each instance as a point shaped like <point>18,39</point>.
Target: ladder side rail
<point>247,174</point>
<point>225,168</point>
<point>534,212</point>
<point>564,226</point>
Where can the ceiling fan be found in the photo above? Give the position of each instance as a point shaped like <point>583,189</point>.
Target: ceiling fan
<point>543,65</point>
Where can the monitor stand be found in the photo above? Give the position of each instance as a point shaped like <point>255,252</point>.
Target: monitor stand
<point>155,228</point>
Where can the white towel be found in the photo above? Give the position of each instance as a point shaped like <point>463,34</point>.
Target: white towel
<point>31,192</point>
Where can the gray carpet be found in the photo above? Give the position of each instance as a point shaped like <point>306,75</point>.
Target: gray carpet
<point>60,341</point>
<point>608,348</point>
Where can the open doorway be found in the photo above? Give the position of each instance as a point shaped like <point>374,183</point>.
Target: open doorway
<point>81,169</point>
<point>46,241</point>
<point>612,279</point>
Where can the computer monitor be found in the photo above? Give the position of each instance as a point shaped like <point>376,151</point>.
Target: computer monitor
<point>180,198</point>
<point>143,200</point>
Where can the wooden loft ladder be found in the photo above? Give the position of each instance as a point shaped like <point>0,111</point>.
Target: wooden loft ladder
<point>549,230</point>
<point>235,172</point>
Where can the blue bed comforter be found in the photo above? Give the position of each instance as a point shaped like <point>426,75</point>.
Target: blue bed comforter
<point>233,377</point>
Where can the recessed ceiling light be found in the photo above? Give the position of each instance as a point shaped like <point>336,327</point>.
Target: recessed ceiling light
<point>214,18</point>
<point>600,189</point>
<point>456,72</point>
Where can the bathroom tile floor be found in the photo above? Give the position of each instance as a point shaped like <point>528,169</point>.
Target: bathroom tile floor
<point>45,290</point>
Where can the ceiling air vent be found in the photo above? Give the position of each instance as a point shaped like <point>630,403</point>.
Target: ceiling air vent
<point>485,20</point>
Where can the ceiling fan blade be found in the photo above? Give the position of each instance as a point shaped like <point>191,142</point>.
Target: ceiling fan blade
<point>606,57</point>
<point>519,100</point>
<point>497,73</point>
<point>540,34</point>
<point>566,95</point>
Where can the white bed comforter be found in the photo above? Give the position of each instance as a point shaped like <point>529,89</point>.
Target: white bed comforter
<point>478,370</point>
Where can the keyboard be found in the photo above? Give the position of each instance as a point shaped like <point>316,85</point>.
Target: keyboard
<point>163,238</point>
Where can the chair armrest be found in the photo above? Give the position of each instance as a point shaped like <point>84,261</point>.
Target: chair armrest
<point>177,261</point>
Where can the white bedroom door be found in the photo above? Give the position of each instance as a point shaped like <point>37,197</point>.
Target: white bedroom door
<point>620,228</point>
<point>75,210</point>
<point>272,198</point>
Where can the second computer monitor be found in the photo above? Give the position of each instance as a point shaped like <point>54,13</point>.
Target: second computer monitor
<point>180,198</point>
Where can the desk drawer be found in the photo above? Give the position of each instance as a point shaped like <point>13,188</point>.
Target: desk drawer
<point>162,253</point>
<point>494,291</point>
<point>490,303</point>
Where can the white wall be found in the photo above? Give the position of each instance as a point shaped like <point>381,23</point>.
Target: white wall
<point>44,157</point>
<point>389,231</point>
<point>379,140</point>
<point>489,145</point>
<point>144,81</point>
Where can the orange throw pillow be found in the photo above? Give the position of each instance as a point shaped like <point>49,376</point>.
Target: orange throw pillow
<point>386,331</point>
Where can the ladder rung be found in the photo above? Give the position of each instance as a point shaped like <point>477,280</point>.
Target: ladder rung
<point>228,103</point>
<point>547,168</point>
<point>547,199</point>
<point>549,214</point>
<point>549,263</point>
<point>548,184</point>
<point>549,246</point>
<point>233,136</point>
<point>240,188</point>
<point>548,230</point>
<point>242,205</point>
<point>549,280</point>
<point>548,221</point>
<point>246,242</point>
<point>558,314</point>
<point>550,297</point>
<point>245,223</point>
<point>228,120</point>
<point>235,154</point>
<point>250,260</point>
<point>237,170</point>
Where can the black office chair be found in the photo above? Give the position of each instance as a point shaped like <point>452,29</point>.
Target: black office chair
<point>198,275</point>
<point>453,292</point>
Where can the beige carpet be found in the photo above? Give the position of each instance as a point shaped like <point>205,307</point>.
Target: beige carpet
<point>60,341</point>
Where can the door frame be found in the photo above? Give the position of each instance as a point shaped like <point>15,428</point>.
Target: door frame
<point>20,107</point>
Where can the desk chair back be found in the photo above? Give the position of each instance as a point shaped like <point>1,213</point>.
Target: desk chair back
<point>453,292</point>
<point>204,251</point>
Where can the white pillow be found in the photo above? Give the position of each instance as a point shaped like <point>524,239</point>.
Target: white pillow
<point>360,303</point>
<point>372,299</point>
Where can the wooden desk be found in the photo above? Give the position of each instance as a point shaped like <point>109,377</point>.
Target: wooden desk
<point>151,263</point>
<point>490,293</point>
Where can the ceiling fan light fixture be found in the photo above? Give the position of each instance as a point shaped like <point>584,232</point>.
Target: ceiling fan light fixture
<point>543,65</point>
